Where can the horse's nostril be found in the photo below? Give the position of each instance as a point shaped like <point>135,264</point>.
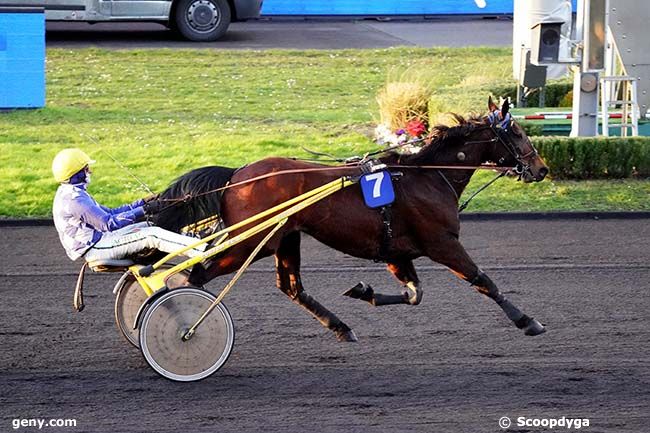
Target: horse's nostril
<point>543,172</point>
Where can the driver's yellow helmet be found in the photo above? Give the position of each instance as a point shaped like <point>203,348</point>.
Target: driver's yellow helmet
<point>68,162</point>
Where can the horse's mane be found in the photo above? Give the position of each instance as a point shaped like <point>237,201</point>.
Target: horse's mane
<point>440,136</point>
<point>193,186</point>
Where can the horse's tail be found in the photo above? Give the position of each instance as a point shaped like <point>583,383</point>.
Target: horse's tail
<point>193,197</point>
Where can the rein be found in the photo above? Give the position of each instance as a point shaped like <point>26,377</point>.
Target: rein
<point>255,179</point>
<point>357,159</point>
<point>357,162</point>
<point>454,167</point>
<point>504,171</point>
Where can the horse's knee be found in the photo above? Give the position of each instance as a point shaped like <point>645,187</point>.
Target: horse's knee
<point>290,286</point>
<point>291,292</point>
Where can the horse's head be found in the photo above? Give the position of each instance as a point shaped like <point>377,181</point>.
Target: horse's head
<point>512,146</point>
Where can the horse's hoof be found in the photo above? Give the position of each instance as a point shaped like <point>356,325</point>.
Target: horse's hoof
<point>534,328</point>
<point>413,297</point>
<point>361,291</point>
<point>347,336</point>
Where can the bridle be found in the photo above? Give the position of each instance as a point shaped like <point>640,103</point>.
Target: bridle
<point>501,126</point>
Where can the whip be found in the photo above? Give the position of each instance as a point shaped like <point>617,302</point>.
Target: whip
<point>119,164</point>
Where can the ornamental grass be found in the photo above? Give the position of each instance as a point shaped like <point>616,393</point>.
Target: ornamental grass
<point>403,101</point>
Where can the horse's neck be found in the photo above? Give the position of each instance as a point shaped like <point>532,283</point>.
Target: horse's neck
<point>472,157</point>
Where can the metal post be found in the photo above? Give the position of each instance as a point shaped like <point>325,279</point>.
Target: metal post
<point>585,105</point>
<point>586,82</point>
<point>625,119</point>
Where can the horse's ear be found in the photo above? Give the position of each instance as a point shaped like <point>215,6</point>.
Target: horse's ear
<point>505,107</point>
<point>491,105</point>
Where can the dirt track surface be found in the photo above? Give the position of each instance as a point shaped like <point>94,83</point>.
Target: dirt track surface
<point>452,364</point>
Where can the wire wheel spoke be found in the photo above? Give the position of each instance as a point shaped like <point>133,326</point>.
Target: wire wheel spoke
<point>169,318</point>
<point>130,297</point>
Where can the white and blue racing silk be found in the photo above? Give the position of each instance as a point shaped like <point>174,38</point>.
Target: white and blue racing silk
<point>80,220</point>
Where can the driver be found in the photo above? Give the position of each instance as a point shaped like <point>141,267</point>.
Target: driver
<point>89,230</point>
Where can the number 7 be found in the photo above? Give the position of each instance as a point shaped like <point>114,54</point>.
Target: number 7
<point>377,178</point>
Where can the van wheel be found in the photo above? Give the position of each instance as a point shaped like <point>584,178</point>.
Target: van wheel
<point>202,20</point>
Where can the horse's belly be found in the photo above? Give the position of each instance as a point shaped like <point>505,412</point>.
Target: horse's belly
<point>344,242</point>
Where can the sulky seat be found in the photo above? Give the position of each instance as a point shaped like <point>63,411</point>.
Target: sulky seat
<point>111,265</point>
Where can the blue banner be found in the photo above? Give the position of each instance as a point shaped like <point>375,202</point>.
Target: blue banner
<point>22,59</point>
<point>386,7</point>
<point>389,7</point>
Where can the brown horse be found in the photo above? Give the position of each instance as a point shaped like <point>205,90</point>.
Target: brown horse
<point>424,221</point>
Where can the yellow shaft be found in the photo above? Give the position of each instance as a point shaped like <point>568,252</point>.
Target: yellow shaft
<point>335,183</point>
<point>232,282</point>
<point>157,281</point>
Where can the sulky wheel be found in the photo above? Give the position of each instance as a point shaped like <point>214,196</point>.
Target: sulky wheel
<point>168,319</point>
<point>202,20</point>
<point>130,297</point>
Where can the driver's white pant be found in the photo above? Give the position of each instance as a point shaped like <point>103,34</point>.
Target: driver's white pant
<point>137,237</point>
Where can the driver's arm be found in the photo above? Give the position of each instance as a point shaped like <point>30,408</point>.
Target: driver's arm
<point>95,215</point>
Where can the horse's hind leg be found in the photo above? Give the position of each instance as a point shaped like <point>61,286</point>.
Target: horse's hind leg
<point>287,263</point>
<point>404,271</point>
<point>451,253</point>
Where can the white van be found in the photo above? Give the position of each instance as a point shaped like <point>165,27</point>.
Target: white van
<point>196,20</point>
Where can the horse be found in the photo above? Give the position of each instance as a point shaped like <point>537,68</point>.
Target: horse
<point>424,216</point>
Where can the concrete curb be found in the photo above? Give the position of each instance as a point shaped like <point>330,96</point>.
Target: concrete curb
<point>472,216</point>
<point>512,216</point>
<point>26,222</point>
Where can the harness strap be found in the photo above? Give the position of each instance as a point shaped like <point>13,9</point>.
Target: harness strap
<point>451,187</point>
<point>387,232</point>
<point>464,205</point>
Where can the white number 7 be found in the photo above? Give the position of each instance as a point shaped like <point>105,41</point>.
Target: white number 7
<point>377,177</point>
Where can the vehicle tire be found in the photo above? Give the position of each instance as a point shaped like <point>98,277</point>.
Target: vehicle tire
<point>165,322</point>
<point>202,20</point>
<point>130,296</point>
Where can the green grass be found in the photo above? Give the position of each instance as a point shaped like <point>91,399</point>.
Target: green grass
<point>509,195</point>
<point>164,112</point>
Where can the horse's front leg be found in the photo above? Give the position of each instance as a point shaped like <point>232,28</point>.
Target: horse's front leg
<point>404,271</point>
<point>451,253</point>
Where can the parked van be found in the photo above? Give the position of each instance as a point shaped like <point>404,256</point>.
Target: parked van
<point>196,20</point>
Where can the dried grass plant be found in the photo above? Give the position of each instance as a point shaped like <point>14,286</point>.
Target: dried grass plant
<point>403,99</point>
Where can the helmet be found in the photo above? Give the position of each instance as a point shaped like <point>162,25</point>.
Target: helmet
<point>68,162</point>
